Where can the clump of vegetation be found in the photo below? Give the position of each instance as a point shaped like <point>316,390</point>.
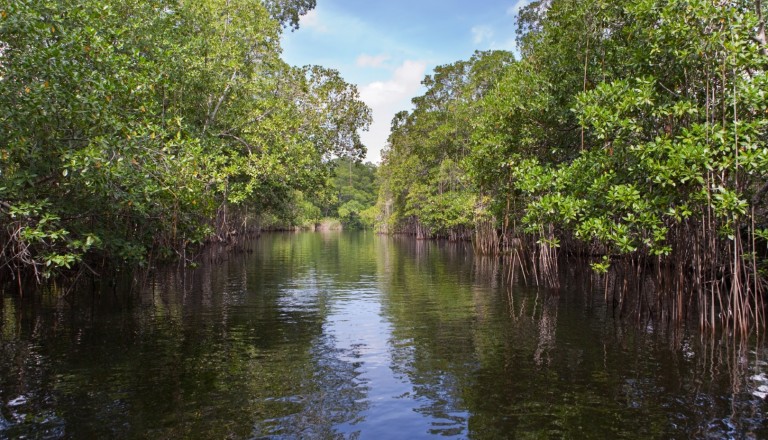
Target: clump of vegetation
<point>426,189</point>
<point>329,224</point>
<point>634,131</point>
<point>134,130</point>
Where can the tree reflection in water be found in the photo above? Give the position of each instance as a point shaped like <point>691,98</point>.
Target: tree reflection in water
<point>354,335</point>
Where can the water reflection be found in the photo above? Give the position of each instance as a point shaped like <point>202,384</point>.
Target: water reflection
<point>505,360</point>
<point>360,336</point>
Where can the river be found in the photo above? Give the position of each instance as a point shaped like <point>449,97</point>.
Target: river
<point>354,335</point>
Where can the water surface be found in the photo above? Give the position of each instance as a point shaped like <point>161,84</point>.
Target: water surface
<point>353,335</point>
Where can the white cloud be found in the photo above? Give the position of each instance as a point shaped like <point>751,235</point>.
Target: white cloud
<point>515,9</point>
<point>366,60</point>
<point>387,98</point>
<point>405,81</point>
<point>499,36</point>
<point>509,44</point>
<point>311,20</point>
<point>481,34</point>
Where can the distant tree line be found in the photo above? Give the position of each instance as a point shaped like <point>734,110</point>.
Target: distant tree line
<point>347,200</point>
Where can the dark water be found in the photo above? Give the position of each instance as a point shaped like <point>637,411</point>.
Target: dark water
<point>359,336</point>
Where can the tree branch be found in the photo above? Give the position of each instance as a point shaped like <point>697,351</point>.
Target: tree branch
<point>212,117</point>
<point>242,141</point>
<point>760,37</point>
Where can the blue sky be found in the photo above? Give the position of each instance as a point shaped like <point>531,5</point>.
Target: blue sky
<point>386,47</point>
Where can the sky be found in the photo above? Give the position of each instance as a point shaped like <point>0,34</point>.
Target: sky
<point>386,47</point>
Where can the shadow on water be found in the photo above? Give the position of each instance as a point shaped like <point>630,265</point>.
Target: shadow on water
<point>361,336</point>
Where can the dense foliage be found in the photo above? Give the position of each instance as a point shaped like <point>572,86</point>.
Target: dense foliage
<point>633,130</point>
<point>425,189</point>
<point>132,130</point>
<point>345,201</point>
<point>352,195</point>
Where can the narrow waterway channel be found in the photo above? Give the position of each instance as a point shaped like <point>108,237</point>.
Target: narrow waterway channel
<point>353,335</point>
